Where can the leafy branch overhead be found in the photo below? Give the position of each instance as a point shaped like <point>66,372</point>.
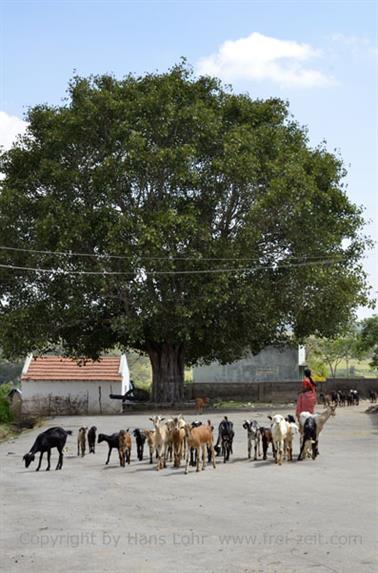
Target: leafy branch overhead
<point>209,225</point>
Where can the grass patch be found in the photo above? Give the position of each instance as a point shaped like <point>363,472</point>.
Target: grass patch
<point>356,369</point>
<point>224,404</point>
<point>7,431</point>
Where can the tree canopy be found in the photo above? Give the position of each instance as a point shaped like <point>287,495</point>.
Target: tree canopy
<point>332,351</point>
<point>369,339</point>
<point>167,214</point>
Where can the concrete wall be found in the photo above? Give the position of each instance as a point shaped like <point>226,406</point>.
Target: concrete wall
<point>274,391</point>
<point>269,365</point>
<point>70,397</point>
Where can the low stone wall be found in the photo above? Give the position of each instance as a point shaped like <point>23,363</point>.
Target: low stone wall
<point>274,391</point>
<point>363,385</point>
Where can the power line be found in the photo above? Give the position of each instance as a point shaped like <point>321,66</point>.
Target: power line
<point>131,257</point>
<point>191,272</point>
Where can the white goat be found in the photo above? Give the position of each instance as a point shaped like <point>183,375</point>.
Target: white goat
<point>291,431</point>
<point>280,430</point>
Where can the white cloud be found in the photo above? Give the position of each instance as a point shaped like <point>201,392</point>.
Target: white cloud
<point>10,127</point>
<point>260,58</point>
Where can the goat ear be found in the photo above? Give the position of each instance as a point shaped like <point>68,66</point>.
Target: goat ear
<point>270,417</point>
<point>151,419</point>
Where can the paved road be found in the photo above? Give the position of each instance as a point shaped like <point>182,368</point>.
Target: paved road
<point>245,516</point>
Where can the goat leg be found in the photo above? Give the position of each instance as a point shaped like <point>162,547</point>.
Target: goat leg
<point>204,454</point>
<point>48,459</point>
<point>60,460</point>
<point>301,451</point>
<point>40,461</point>
<point>213,456</point>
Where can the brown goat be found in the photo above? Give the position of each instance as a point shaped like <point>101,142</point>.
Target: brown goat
<point>81,440</point>
<point>178,440</point>
<point>150,437</point>
<point>200,438</point>
<point>200,404</point>
<point>267,438</point>
<point>124,447</point>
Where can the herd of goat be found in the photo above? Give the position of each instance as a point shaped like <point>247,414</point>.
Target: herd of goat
<point>174,440</point>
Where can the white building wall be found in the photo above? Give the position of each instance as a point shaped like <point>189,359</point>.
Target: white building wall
<point>72,396</point>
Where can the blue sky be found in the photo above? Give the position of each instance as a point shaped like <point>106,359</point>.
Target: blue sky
<point>321,56</point>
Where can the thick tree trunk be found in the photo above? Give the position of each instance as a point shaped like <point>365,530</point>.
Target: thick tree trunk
<point>167,363</point>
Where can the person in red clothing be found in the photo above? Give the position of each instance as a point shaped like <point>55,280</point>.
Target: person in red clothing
<point>306,401</point>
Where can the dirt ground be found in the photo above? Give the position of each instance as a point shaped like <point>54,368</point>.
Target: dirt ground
<point>244,516</point>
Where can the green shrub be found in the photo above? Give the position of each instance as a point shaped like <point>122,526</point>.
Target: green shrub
<point>5,412</point>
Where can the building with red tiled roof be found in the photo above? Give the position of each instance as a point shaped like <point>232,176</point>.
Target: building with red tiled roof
<point>57,385</point>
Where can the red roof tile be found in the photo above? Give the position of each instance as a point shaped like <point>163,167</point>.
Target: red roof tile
<point>59,368</point>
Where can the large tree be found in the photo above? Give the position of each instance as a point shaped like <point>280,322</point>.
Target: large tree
<point>178,219</point>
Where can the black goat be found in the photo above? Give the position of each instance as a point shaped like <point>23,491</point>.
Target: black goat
<point>355,397</point>
<point>334,398</point>
<point>92,439</point>
<point>373,396</point>
<point>309,435</point>
<point>140,438</point>
<point>112,441</point>
<point>267,438</point>
<point>225,438</point>
<point>51,438</point>
<point>341,396</point>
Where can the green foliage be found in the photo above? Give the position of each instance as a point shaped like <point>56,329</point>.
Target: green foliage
<point>10,371</point>
<point>5,413</point>
<point>369,339</point>
<point>140,370</point>
<point>318,367</point>
<point>331,352</point>
<point>174,174</point>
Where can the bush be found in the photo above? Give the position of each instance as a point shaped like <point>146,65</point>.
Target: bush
<point>5,412</point>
